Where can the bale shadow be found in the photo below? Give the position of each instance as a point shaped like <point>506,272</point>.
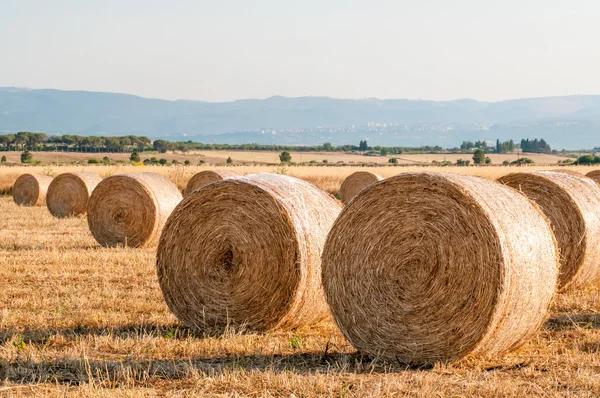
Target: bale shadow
<point>573,322</point>
<point>76,371</point>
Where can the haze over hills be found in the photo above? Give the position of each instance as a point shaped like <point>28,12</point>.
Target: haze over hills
<point>570,122</point>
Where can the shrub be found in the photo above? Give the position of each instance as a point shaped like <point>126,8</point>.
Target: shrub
<point>187,162</point>
<point>285,157</point>
<point>93,161</point>
<point>106,160</point>
<point>26,157</point>
<point>230,161</point>
<point>3,159</point>
<point>479,156</point>
<point>135,157</point>
<point>163,161</point>
<point>393,160</point>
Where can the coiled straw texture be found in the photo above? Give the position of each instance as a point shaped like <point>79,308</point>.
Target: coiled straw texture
<point>68,194</point>
<point>31,189</point>
<point>246,253</point>
<point>427,267</point>
<point>131,209</point>
<point>206,177</point>
<point>355,183</point>
<point>572,205</point>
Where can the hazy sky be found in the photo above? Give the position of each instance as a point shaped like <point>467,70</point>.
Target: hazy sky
<point>229,49</point>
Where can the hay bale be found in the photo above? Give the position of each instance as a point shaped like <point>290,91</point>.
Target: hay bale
<point>246,253</point>
<point>594,175</point>
<point>427,267</point>
<point>131,209</point>
<point>571,204</point>
<point>31,189</point>
<point>355,183</point>
<point>206,177</point>
<point>68,194</point>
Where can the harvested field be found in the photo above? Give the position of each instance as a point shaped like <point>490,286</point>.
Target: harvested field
<point>77,319</point>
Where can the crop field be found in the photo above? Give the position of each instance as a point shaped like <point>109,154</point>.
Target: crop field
<point>77,319</point>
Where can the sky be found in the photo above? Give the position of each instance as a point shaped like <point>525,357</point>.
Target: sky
<point>237,49</point>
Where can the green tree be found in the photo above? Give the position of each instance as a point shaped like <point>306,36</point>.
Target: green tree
<point>327,147</point>
<point>26,157</point>
<point>285,157</point>
<point>479,156</point>
<point>488,160</point>
<point>3,159</point>
<point>393,160</point>
<point>163,161</point>
<point>363,146</point>
<point>230,161</point>
<point>383,151</point>
<point>106,160</point>
<point>135,156</point>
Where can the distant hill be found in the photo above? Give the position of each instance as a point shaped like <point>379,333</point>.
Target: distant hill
<point>565,122</point>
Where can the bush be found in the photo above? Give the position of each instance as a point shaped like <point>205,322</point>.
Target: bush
<point>106,160</point>
<point>461,162</point>
<point>187,162</point>
<point>393,160</point>
<point>93,161</point>
<point>163,161</point>
<point>135,157</point>
<point>588,159</point>
<point>488,160</point>
<point>26,157</point>
<point>230,161</point>
<point>325,161</point>
<point>3,159</point>
<point>479,156</point>
<point>202,162</point>
<point>285,157</point>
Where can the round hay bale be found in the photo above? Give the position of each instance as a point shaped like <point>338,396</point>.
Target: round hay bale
<point>355,183</point>
<point>131,209</point>
<point>594,175</point>
<point>68,194</point>
<point>31,189</point>
<point>571,204</point>
<point>206,177</point>
<point>427,267</point>
<point>246,252</point>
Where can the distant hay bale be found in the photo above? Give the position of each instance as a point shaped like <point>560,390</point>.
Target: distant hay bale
<point>31,189</point>
<point>246,253</point>
<point>206,177</point>
<point>427,267</point>
<point>131,209</point>
<point>572,205</point>
<point>594,175</point>
<point>355,183</point>
<point>68,194</point>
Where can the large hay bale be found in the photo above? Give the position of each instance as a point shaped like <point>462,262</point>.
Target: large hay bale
<point>572,205</point>
<point>131,209</point>
<point>246,253</point>
<point>355,183</point>
<point>427,267</point>
<point>206,177</point>
<point>68,194</point>
<point>594,175</point>
<point>31,189</point>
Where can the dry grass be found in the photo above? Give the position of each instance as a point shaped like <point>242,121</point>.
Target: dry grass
<point>80,320</point>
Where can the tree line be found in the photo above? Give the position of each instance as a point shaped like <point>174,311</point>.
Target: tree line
<point>76,143</point>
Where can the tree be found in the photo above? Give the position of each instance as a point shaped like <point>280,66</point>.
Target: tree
<point>479,156</point>
<point>187,162</point>
<point>383,151</point>
<point>327,147</point>
<point>498,146</point>
<point>106,160</point>
<point>285,156</point>
<point>135,157</point>
<point>26,157</point>
<point>3,159</point>
<point>363,146</point>
<point>163,161</point>
<point>393,160</point>
<point>161,146</point>
<point>488,160</point>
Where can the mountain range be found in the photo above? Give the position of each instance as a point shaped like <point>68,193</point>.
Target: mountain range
<point>570,122</point>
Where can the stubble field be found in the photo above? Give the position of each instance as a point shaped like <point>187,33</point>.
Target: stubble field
<point>80,320</point>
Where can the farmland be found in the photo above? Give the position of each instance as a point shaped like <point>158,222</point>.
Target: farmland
<point>83,320</point>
